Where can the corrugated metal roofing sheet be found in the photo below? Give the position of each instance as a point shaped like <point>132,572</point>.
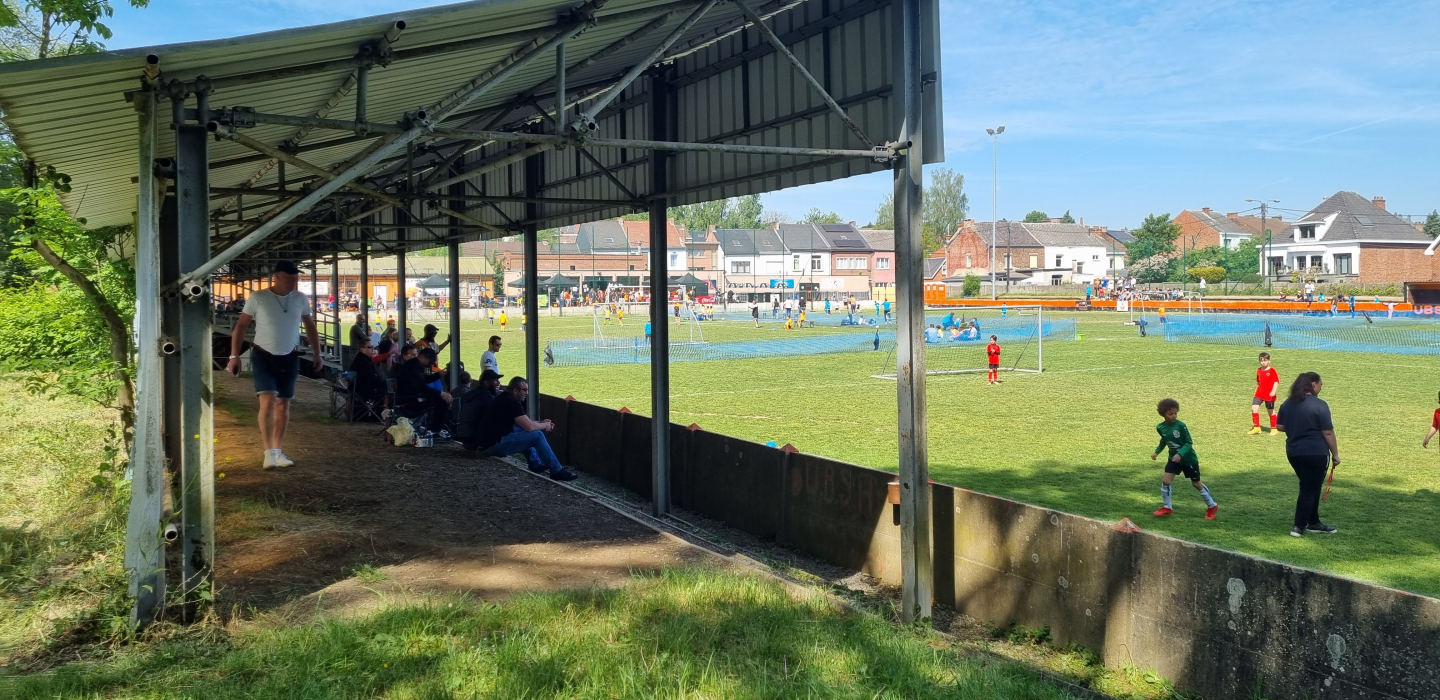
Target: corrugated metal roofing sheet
<point>725,83</point>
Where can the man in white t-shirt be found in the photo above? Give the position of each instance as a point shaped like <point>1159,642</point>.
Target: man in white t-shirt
<point>487,360</point>
<point>277,313</point>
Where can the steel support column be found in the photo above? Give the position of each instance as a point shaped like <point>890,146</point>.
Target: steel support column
<point>659,296</point>
<point>454,314</point>
<point>144,551</point>
<point>915,567</point>
<point>197,444</point>
<point>402,306</point>
<point>533,180</point>
<point>365,283</point>
<point>335,309</point>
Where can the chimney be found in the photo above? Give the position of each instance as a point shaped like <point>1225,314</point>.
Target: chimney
<point>1233,216</point>
<point>1379,202</point>
<point>854,225</point>
<point>1205,209</point>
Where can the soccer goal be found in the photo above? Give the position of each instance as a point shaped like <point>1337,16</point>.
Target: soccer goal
<point>614,329</point>
<point>963,333</point>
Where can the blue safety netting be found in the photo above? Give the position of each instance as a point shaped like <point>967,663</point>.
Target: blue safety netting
<point>610,351</point>
<point>1343,332</point>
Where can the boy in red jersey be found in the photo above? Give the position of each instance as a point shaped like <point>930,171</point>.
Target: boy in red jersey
<point>1267,380</point>
<point>992,355</point>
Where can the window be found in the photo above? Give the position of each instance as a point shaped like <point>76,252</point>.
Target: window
<point>1055,280</point>
<point>882,263</point>
<point>968,262</point>
<point>1277,264</point>
<point>1307,231</point>
<point>1342,264</point>
<point>741,267</point>
<point>1034,261</point>
<point>1080,268</point>
<point>1094,257</point>
<point>1059,260</point>
<point>572,267</point>
<point>815,262</point>
<point>1317,260</point>
<point>852,263</point>
<point>797,263</point>
<point>609,240</point>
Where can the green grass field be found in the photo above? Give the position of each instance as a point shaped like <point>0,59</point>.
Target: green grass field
<point>1078,437</point>
<point>680,634</point>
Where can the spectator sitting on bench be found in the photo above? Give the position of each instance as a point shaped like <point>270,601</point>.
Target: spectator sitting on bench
<point>368,382</point>
<point>506,430</point>
<point>416,389</point>
<point>464,387</point>
<point>473,409</point>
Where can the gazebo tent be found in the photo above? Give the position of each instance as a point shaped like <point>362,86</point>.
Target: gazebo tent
<point>692,284</point>
<point>469,121</point>
<point>436,281</point>
<point>560,281</point>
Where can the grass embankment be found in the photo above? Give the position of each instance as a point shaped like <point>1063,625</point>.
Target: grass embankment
<point>686,633</point>
<point>1078,437</point>
<point>62,523</point>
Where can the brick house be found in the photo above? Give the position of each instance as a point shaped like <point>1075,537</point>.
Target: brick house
<point>1040,253</point>
<point>968,251</point>
<point>1204,228</point>
<point>1348,237</point>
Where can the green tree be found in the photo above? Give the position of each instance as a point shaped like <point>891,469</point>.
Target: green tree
<point>1036,217</point>
<point>46,28</point>
<point>1156,236</point>
<point>885,213</point>
<point>816,216</point>
<point>1067,219</point>
<point>946,205</point>
<point>1244,260</point>
<point>1432,224</point>
<point>734,212</point>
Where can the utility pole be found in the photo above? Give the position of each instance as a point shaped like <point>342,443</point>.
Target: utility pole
<point>1265,227</point>
<point>994,208</point>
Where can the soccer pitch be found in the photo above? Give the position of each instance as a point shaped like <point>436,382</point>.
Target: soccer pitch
<point>1078,437</point>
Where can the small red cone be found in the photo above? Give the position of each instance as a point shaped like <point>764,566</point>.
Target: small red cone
<point>569,397</point>
<point>790,448</point>
<point>1126,526</point>
<point>624,410</point>
<point>694,426</point>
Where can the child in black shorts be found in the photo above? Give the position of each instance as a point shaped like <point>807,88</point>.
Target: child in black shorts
<point>1183,460</point>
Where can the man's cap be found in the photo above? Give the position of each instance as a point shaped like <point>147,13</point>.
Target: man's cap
<point>490,374</point>
<point>431,328</point>
<point>287,267</point>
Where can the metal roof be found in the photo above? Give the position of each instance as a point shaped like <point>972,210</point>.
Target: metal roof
<point>722,81</point>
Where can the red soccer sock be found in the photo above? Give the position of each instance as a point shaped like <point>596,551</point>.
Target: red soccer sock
<point>1272,421</point>
<point>1255,418</point>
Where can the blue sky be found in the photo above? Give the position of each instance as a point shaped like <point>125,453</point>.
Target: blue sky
<point>1112,110</point>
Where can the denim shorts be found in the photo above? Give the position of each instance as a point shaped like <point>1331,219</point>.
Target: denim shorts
<point>274,374</point>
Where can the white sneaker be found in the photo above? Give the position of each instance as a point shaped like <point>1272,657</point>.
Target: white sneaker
<point>269,460</point>
<point>281,460</point>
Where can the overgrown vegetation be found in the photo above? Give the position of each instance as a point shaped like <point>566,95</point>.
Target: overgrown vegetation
<point>63,502</point>
<point>684,633</point>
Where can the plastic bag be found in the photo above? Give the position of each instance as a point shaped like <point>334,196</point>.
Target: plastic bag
<point>402,433</point>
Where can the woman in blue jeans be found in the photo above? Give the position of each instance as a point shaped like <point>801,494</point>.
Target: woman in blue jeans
<point>1310,446</point>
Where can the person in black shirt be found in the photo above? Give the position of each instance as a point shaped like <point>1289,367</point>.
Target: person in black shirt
<point>1310,446</point>
<point>415,390</point>
<point>472,408</point>
<point>506,430</point>
<point>368,382</point>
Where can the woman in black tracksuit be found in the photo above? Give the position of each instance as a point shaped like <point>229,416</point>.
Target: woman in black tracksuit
<point>1310,447</point>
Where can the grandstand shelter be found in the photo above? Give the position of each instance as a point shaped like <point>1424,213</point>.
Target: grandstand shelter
<point>459,123</point>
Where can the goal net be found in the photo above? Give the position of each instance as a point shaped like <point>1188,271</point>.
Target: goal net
<point>955,340</point>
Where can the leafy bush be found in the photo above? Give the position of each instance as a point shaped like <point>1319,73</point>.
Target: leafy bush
<point>1211,273</point>
<point>56,342</point>
<point>1251,278</point>
<point>972,285</point>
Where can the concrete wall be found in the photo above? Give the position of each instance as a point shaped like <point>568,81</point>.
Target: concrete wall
<point>1216,623</point>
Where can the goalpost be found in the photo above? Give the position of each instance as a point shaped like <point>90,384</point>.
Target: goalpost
<point>633,333</point>
<point>1020,331</point>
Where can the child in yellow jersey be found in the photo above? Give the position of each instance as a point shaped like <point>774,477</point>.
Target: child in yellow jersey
<point>620,315</point>
<point>504,319</point>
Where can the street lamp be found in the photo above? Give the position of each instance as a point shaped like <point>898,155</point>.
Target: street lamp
<point>1264,227</point>
<point>995,205</point>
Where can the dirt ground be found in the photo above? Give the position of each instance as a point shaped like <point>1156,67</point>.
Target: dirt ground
<point>357,520</point>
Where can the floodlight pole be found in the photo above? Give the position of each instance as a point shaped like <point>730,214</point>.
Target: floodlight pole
<point>915,565</point>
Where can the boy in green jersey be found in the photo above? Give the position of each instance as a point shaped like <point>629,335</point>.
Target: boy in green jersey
<point>1175,436</point>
